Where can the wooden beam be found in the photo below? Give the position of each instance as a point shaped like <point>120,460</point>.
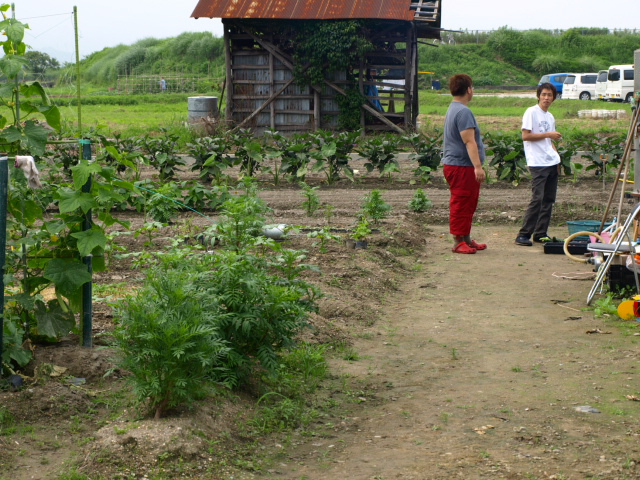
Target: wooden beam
<point>272,49</point>
<point>378,115</point>
<point>264,105</point>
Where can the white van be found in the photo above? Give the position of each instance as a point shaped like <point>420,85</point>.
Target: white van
<point>620,83</point>
<point>580,86</point>
<point>601,84</point>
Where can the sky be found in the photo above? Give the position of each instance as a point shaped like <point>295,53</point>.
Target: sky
<point>104,23</point>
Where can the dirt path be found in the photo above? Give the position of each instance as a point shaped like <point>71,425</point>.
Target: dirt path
<point>475,373</point>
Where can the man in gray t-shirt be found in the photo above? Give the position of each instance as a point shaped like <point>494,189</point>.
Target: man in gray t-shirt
<point>458,119</point>
<point>463,154</point>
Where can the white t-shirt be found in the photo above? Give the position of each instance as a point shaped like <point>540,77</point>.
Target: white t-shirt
<point>541,152</point>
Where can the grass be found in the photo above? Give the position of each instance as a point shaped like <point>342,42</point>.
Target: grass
<point>152,112</point>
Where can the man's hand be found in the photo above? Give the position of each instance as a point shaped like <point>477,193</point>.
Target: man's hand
<point>555,135</point>
<point>480,175</point>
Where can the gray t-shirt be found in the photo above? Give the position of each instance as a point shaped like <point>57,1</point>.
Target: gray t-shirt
<point>459,118</point>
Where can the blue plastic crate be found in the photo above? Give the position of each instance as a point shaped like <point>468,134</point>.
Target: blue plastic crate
<point>576,226</point>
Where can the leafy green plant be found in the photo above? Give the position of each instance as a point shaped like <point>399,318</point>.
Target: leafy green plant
<point>605,306</point>
<point>328,213</point>
<point>419,202</point>
<point>332,154</point>
<point>162,153</point>
<point>161,204</point>
<point>167,338</point>
<point>48,252</point>
<point>567,151</point>
<point>508,156</point>
<point>374,206</point>
<point>249,153</point>
<point>23,133</point>
<point>150,230</point>
<point>427,152</point>
<point>380,154</point>
<point>211,158</point>
<point>362,230</point>
<point>598,148</point>
<point>311,203</point>
<point>121,152</point>
<point>240,223</point>
<point>324,235</point>
<point>295,154</point>
<point>263,312</point>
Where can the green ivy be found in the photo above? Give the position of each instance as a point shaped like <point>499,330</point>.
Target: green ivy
<point>328,46</point>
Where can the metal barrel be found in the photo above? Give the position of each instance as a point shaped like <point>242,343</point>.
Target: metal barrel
<point>202,107</point>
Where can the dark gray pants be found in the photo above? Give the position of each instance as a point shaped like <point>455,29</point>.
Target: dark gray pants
<point>544,185</point>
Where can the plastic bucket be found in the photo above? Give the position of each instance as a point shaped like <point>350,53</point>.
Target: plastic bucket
<point>576,226</point>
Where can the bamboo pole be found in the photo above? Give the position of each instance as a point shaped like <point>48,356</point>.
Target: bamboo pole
<point>625,155</point>
<point>75,27</point>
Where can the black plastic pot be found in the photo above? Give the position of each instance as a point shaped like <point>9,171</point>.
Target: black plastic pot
<point>361,244</point>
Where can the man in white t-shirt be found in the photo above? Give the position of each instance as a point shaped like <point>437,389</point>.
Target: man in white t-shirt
<point>538,134</point>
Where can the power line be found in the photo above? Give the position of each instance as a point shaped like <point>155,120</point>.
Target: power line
<point>45,16</point>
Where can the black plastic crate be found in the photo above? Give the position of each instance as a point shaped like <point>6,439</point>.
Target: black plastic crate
<point>575,247</point>
<point>620,277</point>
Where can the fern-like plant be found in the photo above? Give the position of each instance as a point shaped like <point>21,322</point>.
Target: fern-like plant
<point>167,338</point>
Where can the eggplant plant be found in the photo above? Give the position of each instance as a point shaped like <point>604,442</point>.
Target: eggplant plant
<point>380,154</point>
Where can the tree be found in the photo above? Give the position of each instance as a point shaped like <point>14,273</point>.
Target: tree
<point>40,62</point>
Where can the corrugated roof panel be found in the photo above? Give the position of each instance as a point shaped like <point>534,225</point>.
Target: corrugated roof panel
<point>305,9</point>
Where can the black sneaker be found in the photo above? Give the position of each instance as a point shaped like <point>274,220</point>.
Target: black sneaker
<point>524,241</point>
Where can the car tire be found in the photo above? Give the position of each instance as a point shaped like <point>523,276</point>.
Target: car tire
<point>585,96</point>
<point>558,96</point>
<point>629,98</point>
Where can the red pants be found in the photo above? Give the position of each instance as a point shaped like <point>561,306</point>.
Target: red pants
<point>465,191</point>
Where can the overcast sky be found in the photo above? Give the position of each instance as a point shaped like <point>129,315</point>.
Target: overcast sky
<point>109,23</point>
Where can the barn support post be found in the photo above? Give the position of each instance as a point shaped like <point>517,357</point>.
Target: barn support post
<point>272,86</point>
<point>408,75</point>
<point>316,110</point>
<point>363,125</point>
<point>228,79</point>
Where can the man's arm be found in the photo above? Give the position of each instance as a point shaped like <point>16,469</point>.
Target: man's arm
<point>529,136</point>
<point>469,139</point>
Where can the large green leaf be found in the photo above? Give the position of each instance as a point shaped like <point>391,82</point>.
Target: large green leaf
<point>33,137</point>
<point>70,201</point>
<point>15,31</point>
<point>108,220</point>
<point>83,171</point>
<point>52,320</point>
<point>52,115</point>
<point>11,65</point>
<point>30,89</point>
<point>90,239</point>
<point>68,275</point>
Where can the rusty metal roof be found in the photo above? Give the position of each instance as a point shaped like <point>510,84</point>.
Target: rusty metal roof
<point>406,10</point>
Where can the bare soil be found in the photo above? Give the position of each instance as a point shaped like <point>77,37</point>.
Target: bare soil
<point>465,366</point>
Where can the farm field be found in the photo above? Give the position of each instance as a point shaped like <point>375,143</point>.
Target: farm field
<point>441,365</point>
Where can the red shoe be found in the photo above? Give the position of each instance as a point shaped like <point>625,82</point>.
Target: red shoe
<point>477,246</point>
<point>462,247</point>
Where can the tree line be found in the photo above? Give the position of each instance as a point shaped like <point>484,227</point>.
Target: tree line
<point>500,57</point>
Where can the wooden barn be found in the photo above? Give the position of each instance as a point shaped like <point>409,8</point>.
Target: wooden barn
<point>261,87</point>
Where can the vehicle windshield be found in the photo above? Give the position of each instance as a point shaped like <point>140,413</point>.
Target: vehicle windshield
<point>614,75</point>
<point>602,76</point>
<point>570,80</point>
<point>544,79</point>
